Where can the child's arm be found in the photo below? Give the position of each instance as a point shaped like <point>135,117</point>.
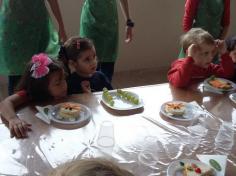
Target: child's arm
<point>189,14</point>
<point>129,30</point>
<point>17,126</point>
<point>226,68</point>
<point>181,70</point>
<point>56,11</point>
<point>180,73</point>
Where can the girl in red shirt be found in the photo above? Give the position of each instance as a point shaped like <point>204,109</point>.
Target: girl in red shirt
<point>44,79</point>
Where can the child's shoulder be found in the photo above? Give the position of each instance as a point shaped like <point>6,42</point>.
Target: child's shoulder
<point>181,61</point>
<point>73,76</point>
<point>99,74</point>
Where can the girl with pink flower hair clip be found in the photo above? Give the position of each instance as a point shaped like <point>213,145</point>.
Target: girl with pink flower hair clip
<point>43,79</point>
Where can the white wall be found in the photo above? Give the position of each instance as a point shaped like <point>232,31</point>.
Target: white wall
<point>156,33</point>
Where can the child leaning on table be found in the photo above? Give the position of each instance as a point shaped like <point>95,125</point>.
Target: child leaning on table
<point>43,79</point>
<point>231,47</point>
<point>200,48</point>
<point>79,57</point>
<point>90,167</point>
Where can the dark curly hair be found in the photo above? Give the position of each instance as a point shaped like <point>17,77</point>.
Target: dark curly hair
<point>37,88</point>
<point>72,49</point>
<point>231,43</point>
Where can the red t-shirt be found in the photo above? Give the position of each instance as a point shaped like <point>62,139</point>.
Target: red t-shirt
<point>183,72</point>
<point>22,93</point>
<point>191,11</point>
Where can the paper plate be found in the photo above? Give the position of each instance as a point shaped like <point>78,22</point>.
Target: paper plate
<point>175,169</point>
<point>122,104</point>
<point>84,115</point>
<point>232,97</point>
<point>189,114</point>
<point>206,83</point>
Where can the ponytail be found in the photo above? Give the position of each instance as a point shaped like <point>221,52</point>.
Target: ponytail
<point>62,56</point>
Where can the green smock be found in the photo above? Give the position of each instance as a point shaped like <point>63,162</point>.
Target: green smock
<point>99,22</point>
<point>209,17</point>
<point>26,29</point>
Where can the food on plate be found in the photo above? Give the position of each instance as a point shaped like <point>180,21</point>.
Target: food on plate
<point>69,111</point>
<point>215,164</point>
<point>192,169</point>
<point>219,83</point>
<point>108,97</point>
<point>175,108</point>
<point>127,96</point>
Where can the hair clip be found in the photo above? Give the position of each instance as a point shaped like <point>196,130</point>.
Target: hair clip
<point>40,65</point>
<point>78,44</point>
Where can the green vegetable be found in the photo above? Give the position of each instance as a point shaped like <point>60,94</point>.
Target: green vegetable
<point>215,164</point>
<point>108,97</point>
<point>105,90</point>
<point>136,101</point>
<point>127,96</point>
<point>119,91</point>
<point>111,103</point>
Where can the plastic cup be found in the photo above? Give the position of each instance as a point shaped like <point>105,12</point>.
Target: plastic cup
<point>106,135</point>
<point>225,136</point>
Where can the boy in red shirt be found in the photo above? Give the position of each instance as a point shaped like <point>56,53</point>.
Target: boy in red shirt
<point>200,48</point>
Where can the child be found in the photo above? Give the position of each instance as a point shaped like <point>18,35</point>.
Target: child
<point>90,167</point>
<point>43,79</point>
<point>79,55</point>
<point>200,49</point>
<point>231,47</point>
<point>99,22</point>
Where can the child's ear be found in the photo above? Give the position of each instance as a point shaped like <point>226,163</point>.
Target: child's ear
<point>71,65</point>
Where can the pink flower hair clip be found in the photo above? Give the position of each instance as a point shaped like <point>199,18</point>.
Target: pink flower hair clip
<point>40,65</point>
<point>78,44</point>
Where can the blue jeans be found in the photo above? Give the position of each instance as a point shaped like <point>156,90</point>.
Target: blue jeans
<point>12,83</point>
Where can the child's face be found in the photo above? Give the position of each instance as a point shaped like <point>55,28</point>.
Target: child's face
<point>233,54</point>
<point>57,85</point>
<point>86,65</point>
<point>204,55</point>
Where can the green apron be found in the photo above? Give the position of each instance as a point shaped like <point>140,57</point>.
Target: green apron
<point>26,29</point>
<point>209,17</point>
<point>99,22</point>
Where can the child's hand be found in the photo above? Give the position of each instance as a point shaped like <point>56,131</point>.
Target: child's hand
<point>193,51</point>
<point>19,128</point>
<point>86,86</point>
<point>221,46</point>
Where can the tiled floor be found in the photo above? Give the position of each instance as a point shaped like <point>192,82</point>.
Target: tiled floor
<point>120,80</point>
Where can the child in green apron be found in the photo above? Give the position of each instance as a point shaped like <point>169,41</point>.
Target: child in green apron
<point>210,15</point>
<point>99,22</point>
<point>26,29</point>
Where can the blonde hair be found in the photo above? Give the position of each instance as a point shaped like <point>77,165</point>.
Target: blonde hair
<point>196,36</point>
<point>90,167</point>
